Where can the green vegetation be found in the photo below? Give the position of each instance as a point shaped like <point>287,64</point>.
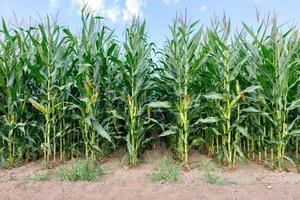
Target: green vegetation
<point>233,95</point>
<point>213,178</point>
<point>85,170</point>
<point>43,175</point>
<point>165,170</point>
<point>211,172</point>
<point>183,57</point>
<point>135,84</point>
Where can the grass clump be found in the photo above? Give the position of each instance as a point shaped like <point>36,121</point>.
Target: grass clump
<point>43,175</point>
<point>165,170</point>
<point>211,173</point>
<point>214,178</point>
<point>205,165</point>
<point>85,170</point>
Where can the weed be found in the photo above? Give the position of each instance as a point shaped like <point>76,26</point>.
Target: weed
<point>43,175</point>
<point>86,170</point>
<point>165,170</point>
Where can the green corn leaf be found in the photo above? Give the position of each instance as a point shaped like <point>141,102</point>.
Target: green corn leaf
<point>251,89</point>
<point>208,120</point>
<point>250,110</point>
<point>244,132</point>
<point>101,131</point>
<point>215,96</point>
<point>159,104</point>
<point>166,133</point>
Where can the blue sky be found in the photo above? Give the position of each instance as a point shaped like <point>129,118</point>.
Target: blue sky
<point>158,13</point>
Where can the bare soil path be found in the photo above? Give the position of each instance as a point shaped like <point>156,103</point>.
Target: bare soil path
<point>248,181</point>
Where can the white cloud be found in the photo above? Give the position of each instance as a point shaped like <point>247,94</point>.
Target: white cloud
<point>111,11</point>
<point>203,8</point>
<point>133,8</point>
<point>169,2</point>
<point>53,3</point>
<point>92,5</point>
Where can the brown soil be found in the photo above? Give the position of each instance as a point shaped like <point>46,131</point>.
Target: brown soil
<point>248,181</point>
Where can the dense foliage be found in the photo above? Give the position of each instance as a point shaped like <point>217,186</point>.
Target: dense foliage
<point>232,95</point>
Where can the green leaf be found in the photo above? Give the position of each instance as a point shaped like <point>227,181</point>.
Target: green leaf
<point>251,89</point>
<point>215,96</point>
<point>196,142</point>
<point>216,131</point>
<point>291,126</point>
<point>111,49</point>
<point>295,104</point>
<point>96,147</point>
<point>295,133</point>
<point>244,132</point>
<point>250,110</point>
<point>101,131</point>
<point>239,151</point>
<point>166,133</point>
<point>85,100</point>
<point>159,104</point>
<point>208,120</point>
<point>116,115</point>
<point>22,129</point>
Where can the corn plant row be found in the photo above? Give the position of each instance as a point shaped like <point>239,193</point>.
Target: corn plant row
<point>233,95</point>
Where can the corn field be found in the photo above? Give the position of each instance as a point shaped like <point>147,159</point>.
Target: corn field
<point>232,95</point>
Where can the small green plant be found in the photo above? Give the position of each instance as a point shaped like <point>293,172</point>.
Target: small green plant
<point>211,172</point>
<point>205,165</point>
<point>43,175</point>
<point>165,170</point>
<point>86,170</point>
<point>213,178</point>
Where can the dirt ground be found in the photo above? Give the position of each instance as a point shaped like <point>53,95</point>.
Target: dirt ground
<point>248,181</point>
